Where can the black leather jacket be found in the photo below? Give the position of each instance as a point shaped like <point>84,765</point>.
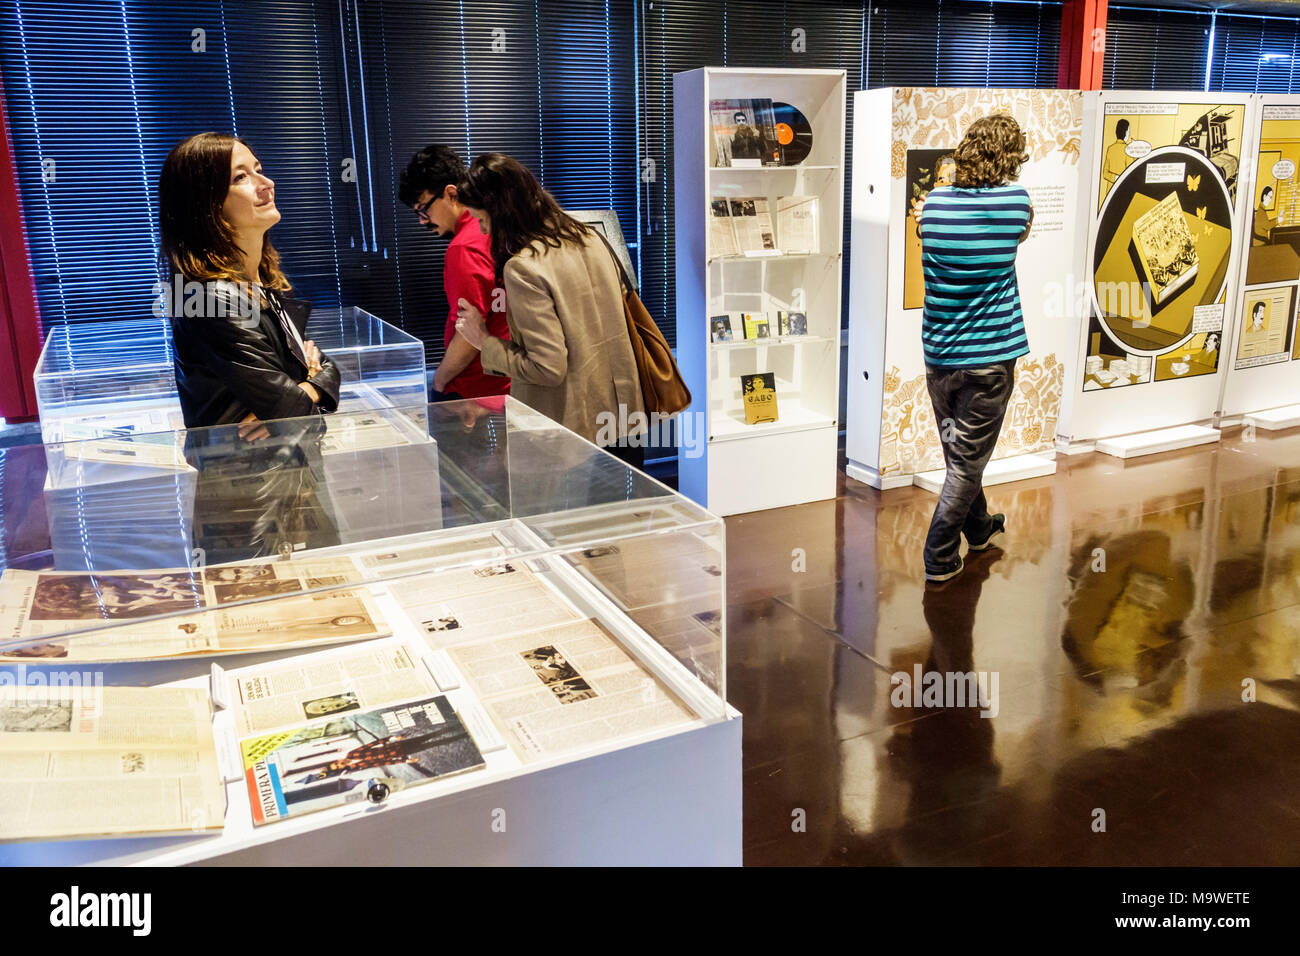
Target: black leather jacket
<point>228,365</point>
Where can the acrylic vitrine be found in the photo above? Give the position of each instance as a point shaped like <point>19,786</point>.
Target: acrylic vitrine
<point>99,379</point>
<point>107,379</point>
<point>558,615</point>
<point>379,364</point>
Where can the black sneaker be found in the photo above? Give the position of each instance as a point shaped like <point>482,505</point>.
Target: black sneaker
<point>994,540</point>
<point>946,574</point>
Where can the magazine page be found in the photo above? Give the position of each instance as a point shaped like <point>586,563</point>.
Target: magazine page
<point>722,240</point>
<point>415,554</point>
<point>106,761</point>
<point>752,221</point>
<point>281,694</point>
<point>345,434</point>
<point>796,224</point>
<point>447,611</point>
<point>566,688</point>
<point>353,757</point>
<point>45,604</point>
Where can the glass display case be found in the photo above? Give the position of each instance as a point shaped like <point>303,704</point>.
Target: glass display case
<point>98,379</point>
<point>567,611</point>
<point>106,379</point>
<point>379,364</point>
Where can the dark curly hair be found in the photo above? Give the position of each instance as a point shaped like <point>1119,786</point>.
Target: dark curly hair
<point>991,153</point>
<point>433,168</point>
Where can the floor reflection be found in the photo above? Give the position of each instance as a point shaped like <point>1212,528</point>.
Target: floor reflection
<point>1143,624</point>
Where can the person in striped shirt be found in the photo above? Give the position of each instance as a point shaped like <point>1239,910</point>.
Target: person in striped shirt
<point>972,329</point>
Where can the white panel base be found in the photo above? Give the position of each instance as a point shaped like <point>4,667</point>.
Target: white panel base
<point>1151,443</point>
<point>999,471</point>
<point>1075,447</point>
<point>772,471</point>
<point>1276,419</point>
<point>870,476</point>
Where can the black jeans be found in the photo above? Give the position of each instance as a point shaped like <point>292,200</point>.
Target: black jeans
<point>969,405</point>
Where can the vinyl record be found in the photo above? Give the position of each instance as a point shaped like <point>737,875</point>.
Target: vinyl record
<point>793,133</point>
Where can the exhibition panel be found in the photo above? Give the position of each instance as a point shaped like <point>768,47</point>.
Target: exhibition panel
<point>1260,376</point>
<point>759,193</point>
<point>539,611</point>
<point>1164,200</point>
<point>892,437</point>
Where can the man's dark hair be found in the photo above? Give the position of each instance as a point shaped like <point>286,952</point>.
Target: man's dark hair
<point>433,168</point>
<point>1121,128</point>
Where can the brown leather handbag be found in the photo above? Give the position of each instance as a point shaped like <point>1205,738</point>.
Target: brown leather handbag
<point>662,385</point>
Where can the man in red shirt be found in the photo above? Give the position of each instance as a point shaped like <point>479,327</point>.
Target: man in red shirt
<point>428,185</point>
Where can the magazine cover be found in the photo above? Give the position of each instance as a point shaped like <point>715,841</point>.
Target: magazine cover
<point>332,762</point>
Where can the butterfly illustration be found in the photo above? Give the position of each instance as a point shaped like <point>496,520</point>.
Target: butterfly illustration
<point>1200,212</point>
<point>1193,182</point>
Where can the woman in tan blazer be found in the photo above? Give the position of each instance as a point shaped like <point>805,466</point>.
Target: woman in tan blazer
<point>569,355</point>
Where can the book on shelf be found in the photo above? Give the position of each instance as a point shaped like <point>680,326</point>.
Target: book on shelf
<point>722,239</point>
<point>791,323</point>
<point>758,392</point>
<point>744,133</point>
<point>751,221</point>
<point>757,326</point>
<point>720,328</point>
<point>796,224</point>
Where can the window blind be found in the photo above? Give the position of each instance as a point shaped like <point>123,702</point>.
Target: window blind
<point>98,93</point>
<point>1255,54</point>
<point>1155,49</point>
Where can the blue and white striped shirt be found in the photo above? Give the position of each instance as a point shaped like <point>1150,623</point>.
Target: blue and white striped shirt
<point>969,239</point>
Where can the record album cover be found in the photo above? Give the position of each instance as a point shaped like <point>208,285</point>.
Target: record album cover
<point>757,326</point>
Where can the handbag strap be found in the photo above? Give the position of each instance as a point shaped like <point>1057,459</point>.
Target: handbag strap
<point>618,263</point>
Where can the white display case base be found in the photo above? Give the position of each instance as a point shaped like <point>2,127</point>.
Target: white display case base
<point>1154,442</point>
<point>672,801</point>
<point>1275,419</point>
<point>870,476</point>
<point>771,471</point>
<point>998,472</point>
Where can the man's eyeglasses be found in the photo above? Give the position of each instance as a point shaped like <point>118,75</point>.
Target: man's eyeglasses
<point>422,210</point>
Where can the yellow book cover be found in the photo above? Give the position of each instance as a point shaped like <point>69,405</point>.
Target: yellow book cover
<point>759,395</point>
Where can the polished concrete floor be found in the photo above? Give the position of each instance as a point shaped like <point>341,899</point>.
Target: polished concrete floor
<point>1139,637</point>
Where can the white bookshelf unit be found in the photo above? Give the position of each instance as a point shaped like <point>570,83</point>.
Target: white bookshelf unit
<point>735,467</point>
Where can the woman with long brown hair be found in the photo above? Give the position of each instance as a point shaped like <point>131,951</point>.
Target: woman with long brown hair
<point>569,354</point>
<point>240,352</point>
